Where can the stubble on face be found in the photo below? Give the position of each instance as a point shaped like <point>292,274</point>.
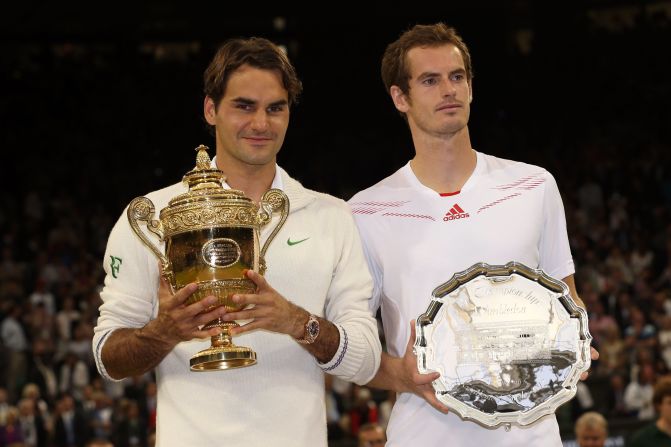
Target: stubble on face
<point>438,98</point>
<point>251,118</point>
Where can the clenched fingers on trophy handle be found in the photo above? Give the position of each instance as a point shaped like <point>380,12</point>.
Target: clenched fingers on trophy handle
<point>249,326</point>
<point>240,315</point>
<point>206,317</point>
<point>207,333</point>
<point>183,294</point>
<point>257,279</point>
<point>202,306</point>
<point>246,299</point>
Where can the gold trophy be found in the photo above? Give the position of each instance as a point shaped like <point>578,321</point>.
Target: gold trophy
<point>211,237</point>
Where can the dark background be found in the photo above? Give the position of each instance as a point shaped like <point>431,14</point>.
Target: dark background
<point>89,88</point>
<point>102,102</point>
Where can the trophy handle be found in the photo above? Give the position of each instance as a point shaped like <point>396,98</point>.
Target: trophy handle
<point>141,209</point>
<point>278,201</point>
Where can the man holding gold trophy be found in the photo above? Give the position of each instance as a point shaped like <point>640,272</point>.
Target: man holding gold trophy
<point>454,211</point>
<point>300,301</point>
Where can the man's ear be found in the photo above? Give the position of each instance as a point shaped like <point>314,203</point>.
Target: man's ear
<point>470,92</point>
<point>209,111</point>
<point>401,100</point>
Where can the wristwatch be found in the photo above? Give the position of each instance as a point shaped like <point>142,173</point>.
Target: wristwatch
<point>311,331</point>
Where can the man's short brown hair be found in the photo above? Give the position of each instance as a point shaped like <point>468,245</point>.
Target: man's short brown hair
<point>256,52</point>
<point>394,62</point>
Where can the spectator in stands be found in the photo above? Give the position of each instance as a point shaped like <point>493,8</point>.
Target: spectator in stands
<point>363,411</point>
<point>371,435</point>
<point>658,433</point>
<point>638,395</point>
<point>591,430</point>
<point>15,341</point>
<point>4,405</point>
<point>34,428</point>
<point>615,398</point>
<point>71,428</point>
<point>10,433</point>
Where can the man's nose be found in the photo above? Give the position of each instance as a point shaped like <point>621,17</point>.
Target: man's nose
<point>260,121</point>
<point>448,88</point>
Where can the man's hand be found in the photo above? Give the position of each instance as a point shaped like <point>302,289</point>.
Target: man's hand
<point>595,356</point>
<point>135,351</point>
<point>270,311</point>
<point>414,382</point>
<point>177,321</point>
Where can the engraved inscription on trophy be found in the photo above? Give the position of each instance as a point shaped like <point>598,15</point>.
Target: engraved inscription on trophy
<point>508,342</point>
<point>221,253</point>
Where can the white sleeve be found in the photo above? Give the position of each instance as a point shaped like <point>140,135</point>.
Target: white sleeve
<point>372,262</point>
<point>555,252</point>
<point>358,356</point>
<point>131,285</point>
<point>633,400</point>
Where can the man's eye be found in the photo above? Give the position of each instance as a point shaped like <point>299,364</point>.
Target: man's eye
<point>429,81</point>
<point>275,109</point>
<point>243,106</point>
<point>458,77</point>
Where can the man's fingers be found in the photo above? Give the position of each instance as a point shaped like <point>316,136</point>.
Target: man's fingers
<point>594,353</point>
<point>246,328</point>
<point>206,317</point>
<point>200,307</point>
<point>425,379</point>
<point>246,299</point>
<point>241,315</point>
<point>181,295</point>
<point>207,333</point>
<point>257,279</point>
<point>438,405</point>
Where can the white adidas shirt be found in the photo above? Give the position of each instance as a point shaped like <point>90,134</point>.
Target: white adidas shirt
<point>415,239</point>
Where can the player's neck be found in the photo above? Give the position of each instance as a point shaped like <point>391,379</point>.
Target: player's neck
<point>253,180</point>
<point>444,165</point>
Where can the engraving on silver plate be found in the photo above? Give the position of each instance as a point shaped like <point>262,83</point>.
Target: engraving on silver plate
<point>508,341</point>
<point>221,252</point>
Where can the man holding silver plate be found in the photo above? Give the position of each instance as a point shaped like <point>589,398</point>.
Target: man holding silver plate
<point>484,341</point>
<point>306,317</point>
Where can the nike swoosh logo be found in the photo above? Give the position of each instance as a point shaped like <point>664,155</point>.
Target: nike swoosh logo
<point>291,243</point>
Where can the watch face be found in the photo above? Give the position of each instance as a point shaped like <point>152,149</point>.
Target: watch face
<point>313,328</point>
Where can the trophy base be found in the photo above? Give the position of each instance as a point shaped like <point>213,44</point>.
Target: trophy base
<point>222,357</point>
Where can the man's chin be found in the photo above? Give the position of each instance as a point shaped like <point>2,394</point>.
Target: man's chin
<point>260,160</point>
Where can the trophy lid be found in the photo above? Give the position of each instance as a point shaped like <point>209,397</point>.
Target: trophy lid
<point>205,184</point>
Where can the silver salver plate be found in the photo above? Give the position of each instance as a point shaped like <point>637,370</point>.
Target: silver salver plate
<point>508,341</point>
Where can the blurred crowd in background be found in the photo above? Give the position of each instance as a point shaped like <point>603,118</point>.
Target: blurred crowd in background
<point>83,144</point>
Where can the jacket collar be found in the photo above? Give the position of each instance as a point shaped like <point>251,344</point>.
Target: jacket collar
<point>299,196</point>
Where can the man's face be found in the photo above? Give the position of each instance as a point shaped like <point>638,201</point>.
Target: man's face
<point>664,410</point>
<point>592,437</point>
<point>439,95</point>
<point>374,437</point>
<point>251,119</point>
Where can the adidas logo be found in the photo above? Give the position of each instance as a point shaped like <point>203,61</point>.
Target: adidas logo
<point>455,213</point>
